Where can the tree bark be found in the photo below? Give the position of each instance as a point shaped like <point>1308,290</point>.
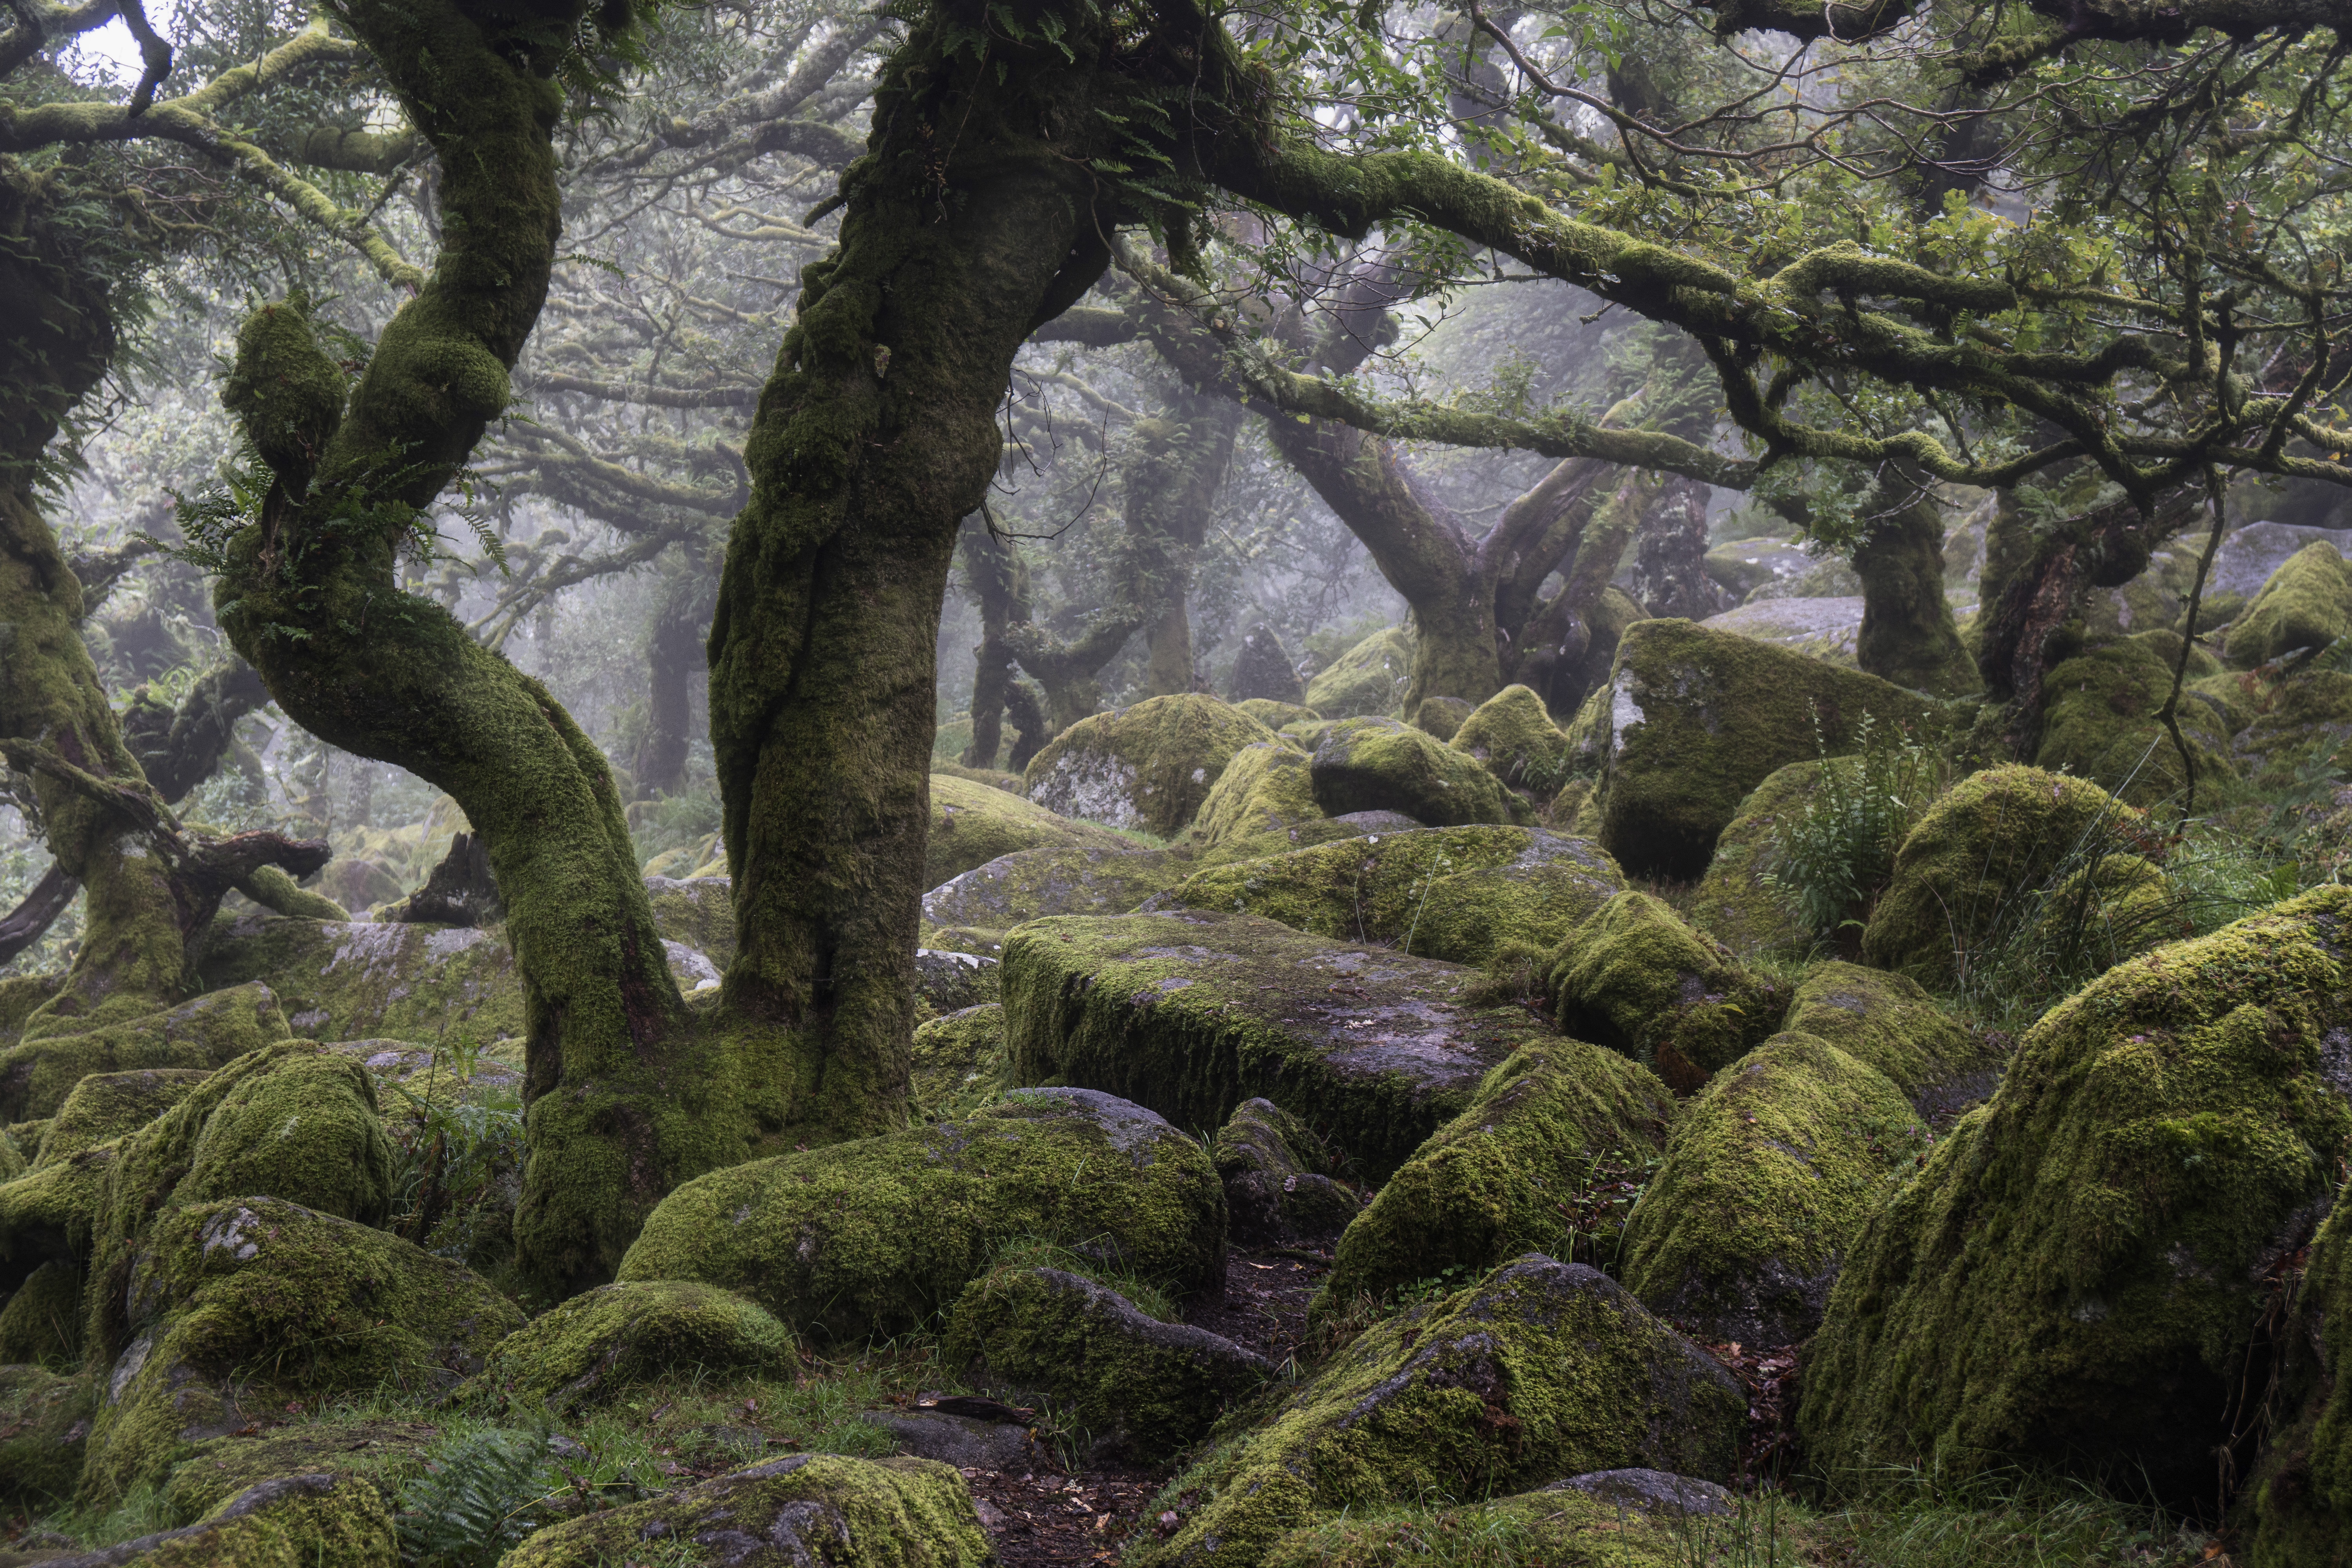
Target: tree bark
<point>674,657</point>
<point>1180,473</point>
<point>1908,634</point>
<point>995,579</point>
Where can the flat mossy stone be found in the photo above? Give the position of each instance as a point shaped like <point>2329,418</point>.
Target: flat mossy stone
<point>2307,603</point>
<point>699,913</point>
<point>1890,1023</point>
<point>960,1062</point>
<point>1380,764</point>
<point>379,979</point>
<point>1192,1013</point>
<point>1062,880</point>
<point>383,1453</point>
<point>44,1435</point>
<point>1370,677</point>
<point>1546,1128</point>
<point>2099,723</point>
<point>597,1346</point>
<point>1137,1388</point>
<point>1736,903</point>
<point>1274,715</point>
<point>1639,979</point>
<point>1512,734</point>
<point>1450,893</point>
<point>2074,1278</point>
<point>1149,766</point>
<point>972,824</point>
<point>285,1522</point>
<point>1279,1174</point>
<point>1770,1173</point>
<point>1541,1369</point>
<point>40,1324</point>
<point>1692,720</point>
<point>994,778</point>
<point>875,1236</point>
<point>809,1509</point>
<point>104,1106</point>
<point>235,1308</point>
<point>1972,866</point>
<point>36,1076</point>
<point>1555,1524</point>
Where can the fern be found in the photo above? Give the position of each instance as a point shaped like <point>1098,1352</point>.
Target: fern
<point>474,1500</point>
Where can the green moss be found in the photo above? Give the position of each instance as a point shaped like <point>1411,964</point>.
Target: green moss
<point>235,1308</point>
<point>383,1453</point>
<point>598,1345</point>
<point>1505,1176</point>
<point>1693,720</point>
<point>37,1077</point>
<point>877,1236</point>
<point>1279,1174</point>
<point>960,1062</point>
<point>1542,1370</point>
<point>1263,803</point>
<point>1637,978</point>
<point>2230,697</point>
<point>1370,677</point>
<point>370,981</point>
<point>1067,880</point>
<point>1735,902</point>
<point>972,824</point>
<point>2307,603</point>
<point>1140,1388</point>
<point>47,1216</point>
<point>699,913</point>
<point>41,1324</point>
<point>2099,723</point>
<point>1450,893</point>
<point>1556,1525</point>
<point>1274,715</point>
<point>1378,764</point>
<point>1890,1023</point>
<point>2296,1507</point>
<point>105,1106</point>
<point>1770,1173</point>
<point>2073,1278</point>
<point>1441,718</point>
<point>813,1508</point>
<point>44,1431</point>
<point>1999,836</point>
<point>285,1522</point>
<point>20,996</point>
<point>1148,766</point>
<point>2304,718</point>
<point>1191,1014</point>
<point>1512,733</point>
<point>994,778</point>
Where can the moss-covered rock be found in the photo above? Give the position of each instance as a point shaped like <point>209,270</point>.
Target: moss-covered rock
<point>1970,867</point>
<point>1542,1370</point>
<point>385,1453</point>
<point>1263,803</point>
<point>1191,1014</point>
<point>1370,677</point>
<point>2073,1278</point>
<point>47,1216</point>
<point>36,1076</point>
<point>44,1433</point>
<point>877,1236</point>
<point>1770,1173</point>
<point>1561,1523</point>
<point>699,913</point>
<point>287,1521</point>
<point>1736,903</point>
<point>994,778</point>
<point>2295,1509</point>
<point>1637,978</point>
<point>1077,879</point>
<point>1743,565</point>
<point>1274,715</point>
<point>805,1509</point>
<point>1512,734</point>
<point>1890,1023</point>
<point>233,1308</point>
<point>1139,1387</point>
<point>1507,1176</point>
<point>1451,893</point>
<point>946,980</point>
<point>1277,1175</point>
<point>960,1062</point>
<point>393,980</point>
<point>972,824</point>
<point>1148,766</point>
<point>2099,723</point>
<point>1380,764</point>
<point>2307,603</point>
<point>105,1106</point>
<point>1693,719</point>
<point>2304,718</point>
<point>598,1345</point>
<point>1442,718</point>
<point>41,1324</point>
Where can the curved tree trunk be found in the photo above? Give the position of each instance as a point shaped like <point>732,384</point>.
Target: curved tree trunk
<point>995,580</point>
<point>1180,471</point>
<point>674,655</point>
<point>1670,556</point>
<point>1908,634</point>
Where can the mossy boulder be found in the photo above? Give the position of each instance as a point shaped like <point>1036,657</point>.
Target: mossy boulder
<point>875,1236</point>
<point>1139,1388</point>
<point>2307,603</point>
<point>233,1308</point>
<point>1263,803</point>
<point>2099,723</point>
<point>1693,719</point>
<point>960,1062</point>
<point>361,981</point>
<point>1507,1176</point>
<point>2304,718</point>
<point>1770,1174</point>
<point>946,980</point>
<point>1148,766</point>
<point>1736,903</point>
<point>808,1508</point>
<point>1069,879</point>
<point>1970,868</point>
<point>1542,1370</point>
<point>1450,893</point>
<point>385,1453</point>
<point>597,1346</point>
<point>1740,567</point>
<point>1638,979</point>
<point>44,1433</point>
<point>2074,1278</point>
<point>699,913</point>
<point>1512,734</point>
<point>1279,1180</point>
<point>2295,1509</point>
<point>285,1522</point>
<point>36,1076</point>
<point>972,824</point>
<point>105,1106</point>
<point>1274,715</point>
<point>1263,671</point>
<point>1380,764</point>
<point>1191,1014</point>
<point>1441,718</point>
<point>1890,1023</point>
<point>1370,677</point>
<point>41,1324</point>
<point>1562,1524</point>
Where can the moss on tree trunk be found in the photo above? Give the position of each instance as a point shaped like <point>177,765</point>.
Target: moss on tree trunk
<point>1908,634</point>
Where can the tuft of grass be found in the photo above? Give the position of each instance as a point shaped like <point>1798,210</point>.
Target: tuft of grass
<point>1908,1518</point>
